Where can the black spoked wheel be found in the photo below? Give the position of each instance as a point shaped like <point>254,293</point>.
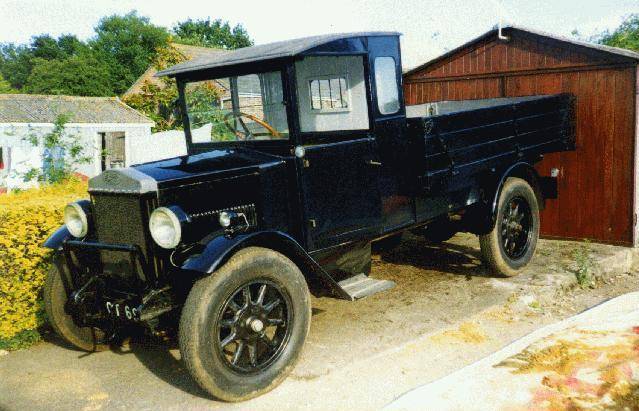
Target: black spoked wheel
<point>242,328</point>
<point>253,327</point>
<point>516,224</point>
<point>511,243</point>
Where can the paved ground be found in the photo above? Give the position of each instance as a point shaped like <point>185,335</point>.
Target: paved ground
<point>445,312</point>
<point>586,362</point>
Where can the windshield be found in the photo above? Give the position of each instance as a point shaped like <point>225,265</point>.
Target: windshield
<point>249,107</point>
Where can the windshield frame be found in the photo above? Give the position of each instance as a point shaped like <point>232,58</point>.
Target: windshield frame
<point>232,71</point>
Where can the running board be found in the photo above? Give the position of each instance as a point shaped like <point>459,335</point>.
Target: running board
<point>360,286</point>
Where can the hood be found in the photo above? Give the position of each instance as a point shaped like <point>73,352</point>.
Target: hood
<point>190,169</point>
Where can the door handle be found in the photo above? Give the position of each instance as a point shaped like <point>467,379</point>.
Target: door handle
<point>373,163</point>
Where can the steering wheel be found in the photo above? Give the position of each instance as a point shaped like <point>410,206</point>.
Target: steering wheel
<point>247,134</point>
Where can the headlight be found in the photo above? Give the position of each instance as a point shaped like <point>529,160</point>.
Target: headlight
<point>75,218</point>
<point>165,227</point>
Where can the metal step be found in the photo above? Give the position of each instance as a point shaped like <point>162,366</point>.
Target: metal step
<point>360,286</point>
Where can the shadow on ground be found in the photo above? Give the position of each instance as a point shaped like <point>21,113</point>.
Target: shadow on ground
<point>447,257</point>
<point>160,357</point>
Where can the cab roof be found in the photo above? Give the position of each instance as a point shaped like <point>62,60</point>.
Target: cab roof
<point>272,51</point>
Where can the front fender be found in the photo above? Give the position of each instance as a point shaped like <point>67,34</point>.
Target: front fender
<point>56,239</point>
<point>221,248</point>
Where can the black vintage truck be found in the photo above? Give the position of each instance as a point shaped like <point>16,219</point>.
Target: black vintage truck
<point>300,155</point>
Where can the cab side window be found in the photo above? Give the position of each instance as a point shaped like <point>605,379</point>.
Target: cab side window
<point>331,93</point>
<point>386,84</point>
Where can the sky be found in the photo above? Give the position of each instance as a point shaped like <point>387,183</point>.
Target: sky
<point>429,27</point>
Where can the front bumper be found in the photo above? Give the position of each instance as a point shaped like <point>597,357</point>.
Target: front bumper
<point>99,299</point>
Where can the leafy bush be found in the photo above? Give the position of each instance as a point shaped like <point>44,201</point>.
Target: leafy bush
<point>26,219</point>
<point>63,153</point>
<point>585,262</point>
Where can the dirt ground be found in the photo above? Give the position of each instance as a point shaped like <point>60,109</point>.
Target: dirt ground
<point>446,311</point>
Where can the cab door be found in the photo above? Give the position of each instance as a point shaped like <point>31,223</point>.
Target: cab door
<point>398,154</point>
<point>339,170</point>
<point>340,192</point>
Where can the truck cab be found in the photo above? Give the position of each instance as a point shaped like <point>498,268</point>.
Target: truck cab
<point>300,155</point>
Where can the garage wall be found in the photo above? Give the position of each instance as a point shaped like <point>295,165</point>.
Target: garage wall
<point>596,182</point>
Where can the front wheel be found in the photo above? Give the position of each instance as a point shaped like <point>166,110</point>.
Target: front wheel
<point>55,299</point>
<point>511,243</point>
<point>243,327</point>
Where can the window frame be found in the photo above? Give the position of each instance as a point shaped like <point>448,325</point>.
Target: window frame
<point>345,94</point>
<point>285,75</point>
<point>379,108</point>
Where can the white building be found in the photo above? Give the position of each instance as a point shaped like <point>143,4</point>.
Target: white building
<point>112,133</point>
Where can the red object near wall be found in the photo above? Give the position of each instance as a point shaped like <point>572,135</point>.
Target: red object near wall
<point>596,182</point>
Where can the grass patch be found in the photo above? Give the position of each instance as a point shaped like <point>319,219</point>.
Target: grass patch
<point>585,263</point>
<point>23,339</point>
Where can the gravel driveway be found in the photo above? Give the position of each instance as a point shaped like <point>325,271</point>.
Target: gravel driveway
<point>445,311</point>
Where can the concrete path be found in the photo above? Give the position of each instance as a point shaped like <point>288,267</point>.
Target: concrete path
<point>589,361</point>
<point>445,312</point>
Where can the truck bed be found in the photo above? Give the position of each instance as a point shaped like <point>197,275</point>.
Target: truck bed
<point>464,140</point>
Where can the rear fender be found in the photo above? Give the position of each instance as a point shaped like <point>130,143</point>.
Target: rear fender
<point>522,170</point>
<point>481,218</point>
<point>220,249</point>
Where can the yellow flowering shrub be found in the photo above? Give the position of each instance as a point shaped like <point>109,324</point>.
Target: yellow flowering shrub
<point>27,219</point>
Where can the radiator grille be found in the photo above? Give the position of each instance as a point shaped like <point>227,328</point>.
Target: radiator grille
<point>123,219</point>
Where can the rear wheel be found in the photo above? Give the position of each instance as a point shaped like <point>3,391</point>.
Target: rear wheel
<point>243,327</point>
<point>512,242</point>
<point>55,298</point>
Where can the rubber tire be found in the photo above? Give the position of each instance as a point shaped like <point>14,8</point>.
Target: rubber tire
<point>439,231</point>
<point>201,309</point>
<point>55,297</point>
<point>387,244</point>
<point>491,248</point>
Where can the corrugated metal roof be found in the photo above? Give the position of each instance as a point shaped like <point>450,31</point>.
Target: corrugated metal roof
<point>615,51</point>
<point>280,49</point>
<point>34,108</point>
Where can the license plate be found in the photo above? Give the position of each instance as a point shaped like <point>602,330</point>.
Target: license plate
<point>122,311</point>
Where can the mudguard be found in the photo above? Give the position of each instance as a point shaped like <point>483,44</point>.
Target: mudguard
<point>218,250</point>
<point>56,239</point>
<point>524,171</point>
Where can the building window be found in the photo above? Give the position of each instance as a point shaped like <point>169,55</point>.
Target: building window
<point>329,94</point>
<point>386,83</point>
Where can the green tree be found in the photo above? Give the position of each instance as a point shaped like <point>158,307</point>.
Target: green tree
<point>81,75</point>
<point>63,153</point>
<point>127,45</point>
<point>207,33</point>
<point>159,101</point>
<point>625,36</point>
<point>5,87</point>
<point>65,46</point>
<point>15,64</point>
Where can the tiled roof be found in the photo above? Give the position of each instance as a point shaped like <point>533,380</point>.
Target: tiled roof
<point>34,108</point>
<point>190,52</point>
